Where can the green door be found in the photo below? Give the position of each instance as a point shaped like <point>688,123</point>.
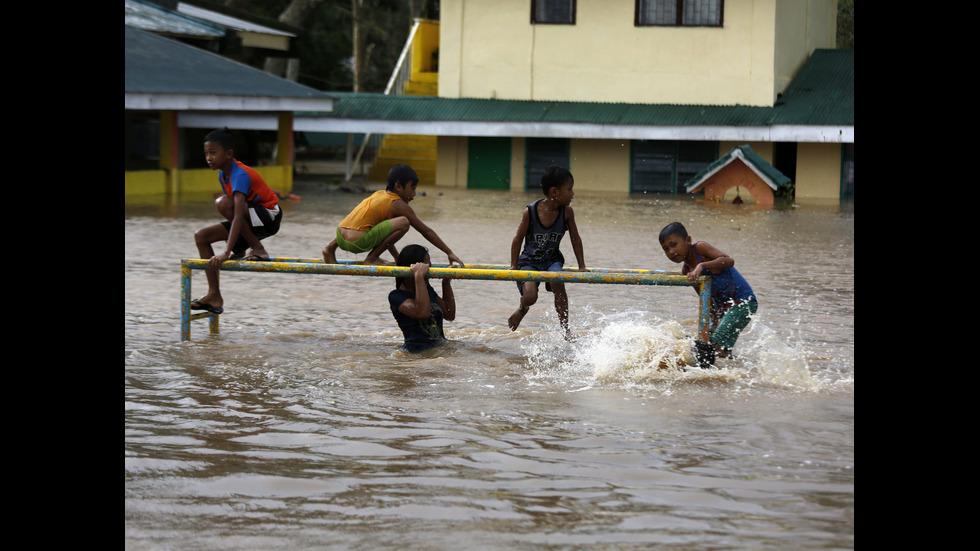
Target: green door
<point>489,163</point>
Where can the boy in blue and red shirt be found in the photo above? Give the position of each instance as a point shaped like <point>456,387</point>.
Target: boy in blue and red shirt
<point>251,209</point>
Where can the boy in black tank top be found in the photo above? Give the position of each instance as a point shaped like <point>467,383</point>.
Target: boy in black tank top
<point>543,224</point>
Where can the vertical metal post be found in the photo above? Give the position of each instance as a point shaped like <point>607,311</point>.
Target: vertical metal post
<point>704,310</point>
<point>348,161</point>
<point>185,302</point>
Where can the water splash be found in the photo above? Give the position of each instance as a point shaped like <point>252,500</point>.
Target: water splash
<point>619,348</point>
<point>630,349</point>
<point>775,361</point>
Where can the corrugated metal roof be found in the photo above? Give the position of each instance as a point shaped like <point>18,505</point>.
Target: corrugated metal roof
<point>822,94</point>
<point>158,65</point>
<point>228,21</point>
<point>154,18</point>
<point>362,105</point>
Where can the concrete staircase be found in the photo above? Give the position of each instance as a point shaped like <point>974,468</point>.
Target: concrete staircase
<point>414,150</point>
<point>423,84</point>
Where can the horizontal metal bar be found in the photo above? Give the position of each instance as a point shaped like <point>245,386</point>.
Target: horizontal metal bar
<point>497,272</point>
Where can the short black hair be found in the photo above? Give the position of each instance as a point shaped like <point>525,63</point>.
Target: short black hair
<point>411,254</point>
<point>674,228</point>
<point>401,174</point>
<point>222,137</point>
<point>555,176</point>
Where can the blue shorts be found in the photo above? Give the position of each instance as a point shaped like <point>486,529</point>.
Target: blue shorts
<point>556,267</point>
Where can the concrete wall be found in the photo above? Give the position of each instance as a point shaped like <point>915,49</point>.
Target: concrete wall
<point>818,167</point>
<point>491,50</point>
<point>147,183</point>
<point>451,161</point>
<point>518,149</point>
<point>154,186</point>
<point>600,165</point>
<point>426,43</point>
<point>801,27</point>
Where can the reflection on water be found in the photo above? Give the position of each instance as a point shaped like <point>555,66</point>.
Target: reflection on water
<point>301,425</point>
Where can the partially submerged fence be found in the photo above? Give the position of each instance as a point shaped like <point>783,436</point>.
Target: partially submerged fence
<point>497,272</point>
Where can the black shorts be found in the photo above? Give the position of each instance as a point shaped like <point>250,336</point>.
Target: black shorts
<point>269,227</point>
<point>555,267</point>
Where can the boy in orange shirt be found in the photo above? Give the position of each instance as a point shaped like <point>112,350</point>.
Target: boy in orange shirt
<point>379,221</point>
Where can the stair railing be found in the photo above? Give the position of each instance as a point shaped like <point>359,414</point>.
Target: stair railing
<point>396,85</point>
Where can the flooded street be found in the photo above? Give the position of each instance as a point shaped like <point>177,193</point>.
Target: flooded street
<point>302,425</point>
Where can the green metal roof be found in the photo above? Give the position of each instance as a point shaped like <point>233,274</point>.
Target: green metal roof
<point>822,94</point>
<point>360,105</point>
<point>155,18</point>
<point>158,65</point>
<point>774,178</point>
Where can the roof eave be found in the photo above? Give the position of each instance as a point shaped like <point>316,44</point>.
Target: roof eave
<point>312,123</point>
<point>212,102</point>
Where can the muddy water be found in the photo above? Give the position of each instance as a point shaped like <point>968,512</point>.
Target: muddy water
<point>301,425</point>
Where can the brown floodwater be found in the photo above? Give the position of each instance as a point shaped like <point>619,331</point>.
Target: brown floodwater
<point>302,425</point>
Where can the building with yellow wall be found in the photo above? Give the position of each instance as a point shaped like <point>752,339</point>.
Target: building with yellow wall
<point>748,55</point>
<point>629,99</point>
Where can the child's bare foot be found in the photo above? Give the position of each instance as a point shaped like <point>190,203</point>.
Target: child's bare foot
<point>514,321</point>
<point>376,261</point>
<point>569,336</point>
<point>328,253</point>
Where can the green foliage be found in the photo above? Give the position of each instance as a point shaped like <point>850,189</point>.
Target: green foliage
<point>845,24</point>
<point>325,47</point>
<point>786,193</point>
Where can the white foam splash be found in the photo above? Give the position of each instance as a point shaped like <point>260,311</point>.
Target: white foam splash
<point>633,348</point>
<point>774,361</point>
<point>623,349</point>
<point>629,350</point>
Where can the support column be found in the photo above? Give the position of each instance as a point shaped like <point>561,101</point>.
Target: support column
<point>348,159</point>
<point>169,154</point>
<point>284,150</point>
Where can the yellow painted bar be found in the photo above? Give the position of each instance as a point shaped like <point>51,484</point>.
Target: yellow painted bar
<point>442,271</point>
<point>498,272</point>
